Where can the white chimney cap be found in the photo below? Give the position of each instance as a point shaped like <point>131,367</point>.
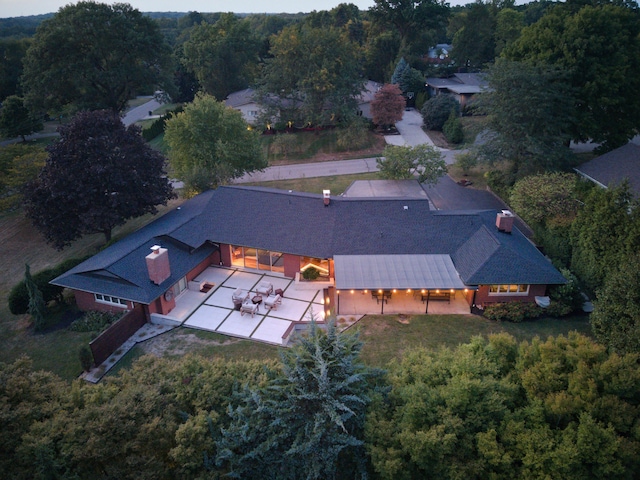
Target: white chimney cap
<point>507,213</point>
<point>155,248</point>
<point>326,193</point>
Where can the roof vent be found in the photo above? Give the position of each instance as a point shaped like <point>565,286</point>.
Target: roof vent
<point>406,207</point>
<point>326,195</point>
<point>504,221</point>
<point>158,264</point>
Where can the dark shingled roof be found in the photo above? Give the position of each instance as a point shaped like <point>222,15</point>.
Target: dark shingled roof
<point>298,223</point>
<point>615,166</point>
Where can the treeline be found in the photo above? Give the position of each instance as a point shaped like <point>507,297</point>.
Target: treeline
<point>492,408</point>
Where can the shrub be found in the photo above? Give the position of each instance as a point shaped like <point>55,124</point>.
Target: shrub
<point>466,161</point>
<point>157,127</point>
<point>311,273</point>
<point>514,312</point>
<point>18,299</point>
<point>452,129</point>
<point>500,182</point>
<point>86,358</point>
<point>568,297</point>
<point>94,321</point>
<point>354,136</point>
<point>558,309</point>
<point>436,111</point>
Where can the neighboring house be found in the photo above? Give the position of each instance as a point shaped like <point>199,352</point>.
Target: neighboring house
<point>366,97</point>
<point>244,102</point>
<point>614,167</point>
<point>439,55</point>
<point>357,244</point>
<point>463,86</point>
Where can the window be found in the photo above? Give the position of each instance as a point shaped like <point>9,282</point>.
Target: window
<point>110,300</point>
<point>508,289</point>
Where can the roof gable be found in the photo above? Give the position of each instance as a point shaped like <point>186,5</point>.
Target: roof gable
<point>614,167</point>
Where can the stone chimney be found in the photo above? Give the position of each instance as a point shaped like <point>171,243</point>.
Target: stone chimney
<point>504,221</point>
<point>326,194</point>
<point>158,264</point>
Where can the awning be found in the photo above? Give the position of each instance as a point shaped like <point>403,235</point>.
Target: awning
<point>359,272</point>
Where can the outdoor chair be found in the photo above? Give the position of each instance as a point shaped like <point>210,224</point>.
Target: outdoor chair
<point>248,307</point>
<point>239,296</point>
<point>272,302</point>
<point>264,288</point>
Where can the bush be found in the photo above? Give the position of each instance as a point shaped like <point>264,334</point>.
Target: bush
<point>311,273</point>
<point>86,358</point>
<point>452,129</point>
<point>436,111</point>
<point>18,299</point>
<point>94,321</point>
<point>157,127</point>
<point>465,162</point>
<point>500,182</point>
<point>354,136</point>
<point>558,309</point>
<point>514,312</point>
<point>568,297</point>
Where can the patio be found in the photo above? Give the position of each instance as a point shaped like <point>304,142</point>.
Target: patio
<point>214,311</point>
<point>399,301</point>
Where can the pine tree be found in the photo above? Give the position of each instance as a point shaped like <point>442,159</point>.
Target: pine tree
<point>308,421</point>
<point>37,307</point>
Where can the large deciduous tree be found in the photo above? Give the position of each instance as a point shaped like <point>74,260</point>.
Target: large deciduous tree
<point>474,41</point>
<point>308,421</point>
<point>16,120</point>
<point>598,47</point>
<point>210,144</point>
<point>223,56</point>
<point>423,162</point>
<point>387,106</point>
<point>98,175</point>
<point>616,317</point>
<point>317,70</point>
<point>95,56</point>
<point>530,112</point>
<point>560,408</point>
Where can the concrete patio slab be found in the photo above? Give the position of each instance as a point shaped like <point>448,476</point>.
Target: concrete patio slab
<point>278,282</point>
<point>240,325</point>
<point>305,295</point>
<point>244,280</point>
<point>214,275</point>
<point>290,309</point>
<point>221,297</point>
<point>271,330</point>
<point>207,317</point>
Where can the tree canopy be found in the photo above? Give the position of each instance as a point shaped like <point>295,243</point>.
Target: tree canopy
<point>313,71</point>
<point>423,162</point>
<point>210,144</point>
<point>16,120</point>
<point>223,56</point>
<point>98,175</point>
<point>530,113</point>
<point>597,46</point>
<point>95,56</point>
<point>388,105</point>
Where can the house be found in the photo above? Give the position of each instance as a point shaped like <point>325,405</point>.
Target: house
<point>244,101</point>
<point>614,167</point>
<point>463,86</point>
<point>373,245</point>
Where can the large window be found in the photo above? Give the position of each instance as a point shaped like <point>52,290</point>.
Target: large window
<point>119,302</point>
<point>508,289</point>
<point>257,259</point>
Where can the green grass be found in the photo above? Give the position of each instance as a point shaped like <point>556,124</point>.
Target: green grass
<point>387,339</point>
<point>336,183</point>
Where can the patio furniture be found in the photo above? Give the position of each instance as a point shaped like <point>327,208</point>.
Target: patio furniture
<point>279,291</point>
<point>264,288</point>
<point>272,302</point>
<point>248,307</point>
<point>239,296</point>
<point>257,300</point>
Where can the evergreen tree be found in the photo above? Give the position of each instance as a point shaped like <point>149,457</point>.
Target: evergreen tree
<point>37,307</point>
<point>307,422</point>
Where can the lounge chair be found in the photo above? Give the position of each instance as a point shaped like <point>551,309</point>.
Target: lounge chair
<point>239,296</point>
<point>248,307</point>
<point>272,302</point>
<point>264,288</point>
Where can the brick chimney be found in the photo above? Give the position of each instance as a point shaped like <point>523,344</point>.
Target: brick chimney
<point>158,264</point>
<point>504,221</point>
<point>326,194</point>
